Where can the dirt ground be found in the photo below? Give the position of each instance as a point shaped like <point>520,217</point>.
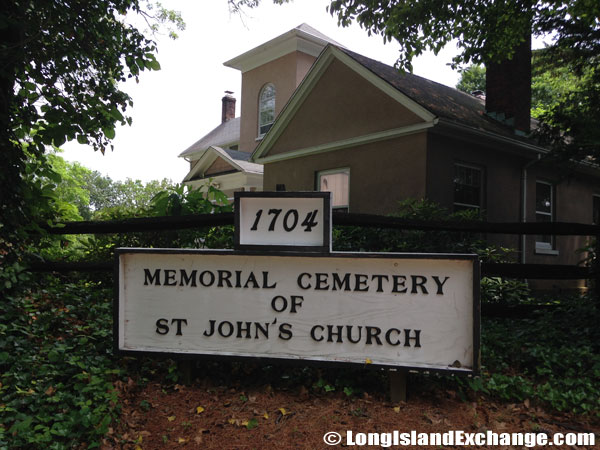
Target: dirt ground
<point>206,415</point>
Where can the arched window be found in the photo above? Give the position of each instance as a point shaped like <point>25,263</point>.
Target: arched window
<point>266,108</point>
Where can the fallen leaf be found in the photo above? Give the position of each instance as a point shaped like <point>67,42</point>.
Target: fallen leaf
<point>368,361</point>
<point>526,403</point>
<point>283,412</point>
<point>265,415</point>
<point>252,423</point>
<point>50,391</point>
<point>181,441</point>
<point>171,418</point>
<point>199,409</point>
<point>397,409</point>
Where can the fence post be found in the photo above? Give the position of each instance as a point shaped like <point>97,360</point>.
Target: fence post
<point>397,385</point>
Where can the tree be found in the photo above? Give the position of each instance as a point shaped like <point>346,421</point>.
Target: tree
<point>472,79</point>
<point>62,63</point>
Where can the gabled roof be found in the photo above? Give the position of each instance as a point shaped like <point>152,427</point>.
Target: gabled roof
<point>443,101</point>
<point>303,38</point>
<point>226,133</point>
<point>433,102</point>
<point>236,159</point>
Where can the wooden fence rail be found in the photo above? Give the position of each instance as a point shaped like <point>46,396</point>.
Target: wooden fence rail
<point>339,219</point>
<point>533,271</point>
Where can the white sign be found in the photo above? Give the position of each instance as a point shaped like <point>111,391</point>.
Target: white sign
<point>279,220</point>
<point>416,311</point>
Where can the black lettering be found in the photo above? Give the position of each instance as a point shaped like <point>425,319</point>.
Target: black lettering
<point>373,333</point>
<point>380,279</point>
<point>416,338</point>
<point>338,333</point>
<point>266,281</point>
<point>238,276</point>
<point>162,326</point>
<point>300,284</point>
<point>152,278</point>
<point>229,332</point>
<point>265,331</point>
<point>360,282</point>
<point>224,276</point>
<point>170,277</point>
<point>321,284</point>
<point>285,331</point>
<point>252,280</point>
<point>179,322</point>
<point>338,283</point>
<point>349,333</point>
<point>241,329</point>
<point>418,281</point>
<point>212,329</point>
<point>187,280</point>
<point>312,333</point>
<point>440,284</point>
<point>296,302</point>
<point>399,281</point>
<point>388,336</point>
<point>211,278</point>
<point>283,305</point>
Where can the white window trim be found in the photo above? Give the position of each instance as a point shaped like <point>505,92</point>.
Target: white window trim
<point>261,135</point>
<point>333,171</point>
<point>546,248</point>
<point>481,190</point>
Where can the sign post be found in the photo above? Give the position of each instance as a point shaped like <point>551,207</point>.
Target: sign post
<point>389,310</point>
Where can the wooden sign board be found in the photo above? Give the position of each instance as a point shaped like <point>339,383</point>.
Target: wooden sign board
<point>395,310</point>
<point>296,221</point>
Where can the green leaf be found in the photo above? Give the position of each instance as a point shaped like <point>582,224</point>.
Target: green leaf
<point>109,132</point>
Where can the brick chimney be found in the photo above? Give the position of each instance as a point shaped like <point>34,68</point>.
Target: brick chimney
<point>228,109</point>
<point>508,88</point>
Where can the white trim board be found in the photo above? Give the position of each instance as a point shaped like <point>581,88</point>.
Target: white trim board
<point>351,142</point>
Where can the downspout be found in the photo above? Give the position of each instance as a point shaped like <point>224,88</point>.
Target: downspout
<point>524,203</point>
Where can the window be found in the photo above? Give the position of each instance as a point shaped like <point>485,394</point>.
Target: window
<point>338,183</point>
<point>596,209</point>
<point>266,108</point>
<point>468,187</point>
<point>544,212</point>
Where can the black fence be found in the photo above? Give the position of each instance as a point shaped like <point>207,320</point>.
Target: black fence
<point>512,270</point>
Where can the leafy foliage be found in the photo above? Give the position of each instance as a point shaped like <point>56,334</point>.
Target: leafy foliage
<point>65,63</point>
<point>61,67</point>
<point>472,79</point>
<point>56,366</point>
<point>387,240</point>
<point>553,357</point>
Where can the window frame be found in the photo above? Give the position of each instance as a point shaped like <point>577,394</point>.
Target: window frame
<point>260,109</point>
<point>543,246</point>
<point>482,177</point>
<point>331,172</point>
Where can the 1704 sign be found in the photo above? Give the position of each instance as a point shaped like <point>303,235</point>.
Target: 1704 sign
<point>415,311</point>
<point>283,221</point>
